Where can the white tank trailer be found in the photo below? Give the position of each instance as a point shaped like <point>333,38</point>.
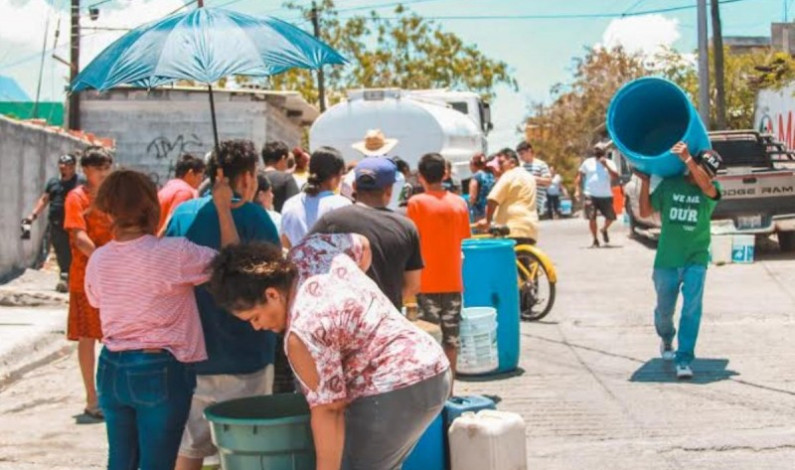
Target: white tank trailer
<point>452,123</point>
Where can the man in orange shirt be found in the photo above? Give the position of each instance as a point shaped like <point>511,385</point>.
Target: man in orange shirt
<point>442,219</point>
<point>189,174</point>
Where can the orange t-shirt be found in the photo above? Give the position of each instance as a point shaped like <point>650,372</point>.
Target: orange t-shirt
<point>174,193</point>
<point>442,219</point>
<point>81,216</point>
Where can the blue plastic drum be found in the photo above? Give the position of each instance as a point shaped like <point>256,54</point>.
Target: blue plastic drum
<point>650,115</point>
<point>490,280</point>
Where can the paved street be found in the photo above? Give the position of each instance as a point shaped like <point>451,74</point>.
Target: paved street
<point>593,391</point>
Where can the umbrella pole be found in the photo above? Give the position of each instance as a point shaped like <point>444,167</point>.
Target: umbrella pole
<point>212,112</point>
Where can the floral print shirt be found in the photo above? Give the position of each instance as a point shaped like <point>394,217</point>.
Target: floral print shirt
<point>362,346</point>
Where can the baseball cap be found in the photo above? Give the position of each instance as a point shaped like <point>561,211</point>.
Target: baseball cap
<point>67,159</point>
<point>375,173</point>
<point>710,161</point>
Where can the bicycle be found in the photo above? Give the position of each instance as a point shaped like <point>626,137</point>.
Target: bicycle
<point>536,273</point>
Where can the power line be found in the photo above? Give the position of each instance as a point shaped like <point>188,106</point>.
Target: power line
<point>563,16</point>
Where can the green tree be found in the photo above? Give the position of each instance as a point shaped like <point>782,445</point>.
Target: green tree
<point>403,51</point>
<point>745,75</point>
<point>564,130</point>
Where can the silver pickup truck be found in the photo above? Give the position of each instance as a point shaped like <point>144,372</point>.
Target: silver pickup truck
<point>758,182</point>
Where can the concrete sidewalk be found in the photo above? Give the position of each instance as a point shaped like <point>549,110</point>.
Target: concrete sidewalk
<point>32,324</point>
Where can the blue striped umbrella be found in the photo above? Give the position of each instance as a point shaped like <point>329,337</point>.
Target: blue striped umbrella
<point>205,45</point>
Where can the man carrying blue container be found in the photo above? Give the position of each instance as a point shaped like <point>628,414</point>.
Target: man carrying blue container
<point>685,204</point>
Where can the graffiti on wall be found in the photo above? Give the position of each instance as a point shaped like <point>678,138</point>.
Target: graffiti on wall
<point>162,148</point>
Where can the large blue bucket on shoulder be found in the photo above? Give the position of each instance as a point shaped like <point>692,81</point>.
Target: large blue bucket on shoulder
<point>647,117</point>
<point>490,280</point>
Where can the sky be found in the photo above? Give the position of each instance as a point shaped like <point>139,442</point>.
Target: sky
<point>537,38</point>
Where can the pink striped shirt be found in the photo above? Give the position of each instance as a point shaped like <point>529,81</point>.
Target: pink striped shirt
<point>143,289</point>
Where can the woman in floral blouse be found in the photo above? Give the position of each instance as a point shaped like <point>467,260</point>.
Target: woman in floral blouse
<point>373,381</point>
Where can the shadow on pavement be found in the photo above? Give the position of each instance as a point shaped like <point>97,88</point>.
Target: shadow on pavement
<point>705,371</point>
<point>490,377</point>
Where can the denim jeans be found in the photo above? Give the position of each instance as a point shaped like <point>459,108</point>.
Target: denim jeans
<point>668,283</point>
<point>146,398</point>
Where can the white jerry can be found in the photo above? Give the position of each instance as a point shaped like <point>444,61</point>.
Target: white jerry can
<point>488,440</point>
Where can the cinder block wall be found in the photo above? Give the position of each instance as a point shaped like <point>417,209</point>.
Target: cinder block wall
<point>153,128</point>
<point>28,157</point>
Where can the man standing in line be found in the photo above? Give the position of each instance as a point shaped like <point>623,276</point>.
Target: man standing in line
<point>55,195</point>
<point>283,184</point>
<point>189,174</point>
<point>539,169</point>
<point>394,241</point>
<point>240,359</point>
<point>512,202</point>
<point>442,219</point>
<point>374,144</point>
<point>596,175</point>
<point>685,204</point>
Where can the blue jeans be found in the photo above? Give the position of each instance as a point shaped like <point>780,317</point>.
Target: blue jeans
<point>668,283</point>
<point>146,398</point>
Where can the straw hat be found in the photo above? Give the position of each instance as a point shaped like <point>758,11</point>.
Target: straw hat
<point>375,144</point>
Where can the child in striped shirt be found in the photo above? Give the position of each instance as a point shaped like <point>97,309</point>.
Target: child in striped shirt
<point>143,288</point>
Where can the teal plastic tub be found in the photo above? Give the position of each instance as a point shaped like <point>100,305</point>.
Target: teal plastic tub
<point>263,433</point>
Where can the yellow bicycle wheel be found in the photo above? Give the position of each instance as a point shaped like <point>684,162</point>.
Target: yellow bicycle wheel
<point>536,291</point>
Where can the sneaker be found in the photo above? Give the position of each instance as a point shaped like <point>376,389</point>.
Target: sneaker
<point>683,371</point>
<point>595,243</point>
<point>667,352</point>
<point>605,236</point>
<point>62,287</point>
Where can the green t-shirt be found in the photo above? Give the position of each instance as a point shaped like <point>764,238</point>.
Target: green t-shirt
<point>685,212</point>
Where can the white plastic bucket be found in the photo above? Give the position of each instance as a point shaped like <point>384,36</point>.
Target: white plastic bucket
<point>478,352</point>
<point>721,249</point>
<point>743,248</point>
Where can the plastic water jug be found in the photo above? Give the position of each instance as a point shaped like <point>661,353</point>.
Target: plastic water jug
<point>429,453</point>
<point>490,280</point>
<point>743,248</point>
<point>488,440</point>
<point>720,249</point>
<point>647,117</point>
<point>478,333</point>
<point>457,406</point>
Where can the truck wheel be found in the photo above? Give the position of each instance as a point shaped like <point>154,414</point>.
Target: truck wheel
<point>786,241</point>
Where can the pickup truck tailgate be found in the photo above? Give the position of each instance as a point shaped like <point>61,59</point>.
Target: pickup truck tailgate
<point>752,199</point>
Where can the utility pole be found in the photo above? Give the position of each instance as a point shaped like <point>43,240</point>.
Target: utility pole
<point>717,50</point>
<point>703,63</point>
<point>321,86</point>
<point>74,66</point>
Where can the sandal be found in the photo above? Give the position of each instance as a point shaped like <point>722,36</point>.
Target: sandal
<point>94,413</point>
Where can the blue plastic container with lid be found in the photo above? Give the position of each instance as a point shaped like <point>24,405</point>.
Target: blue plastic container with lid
<point>430,452</point>
<point>456,406</point>
<point>650,115</point>
<point>490,280</point>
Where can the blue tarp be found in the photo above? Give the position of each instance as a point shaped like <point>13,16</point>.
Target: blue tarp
<point>11,91</point>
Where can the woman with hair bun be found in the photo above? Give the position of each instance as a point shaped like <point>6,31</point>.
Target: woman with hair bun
<point>373,381</point>
<point>300,212</point>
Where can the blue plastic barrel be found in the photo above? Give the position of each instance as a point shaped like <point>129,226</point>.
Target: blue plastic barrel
<point>490,280</point>
<point>650,115</point>
<point>429,454</point>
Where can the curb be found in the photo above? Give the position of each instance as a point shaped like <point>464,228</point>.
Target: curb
<point>47,346</point>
